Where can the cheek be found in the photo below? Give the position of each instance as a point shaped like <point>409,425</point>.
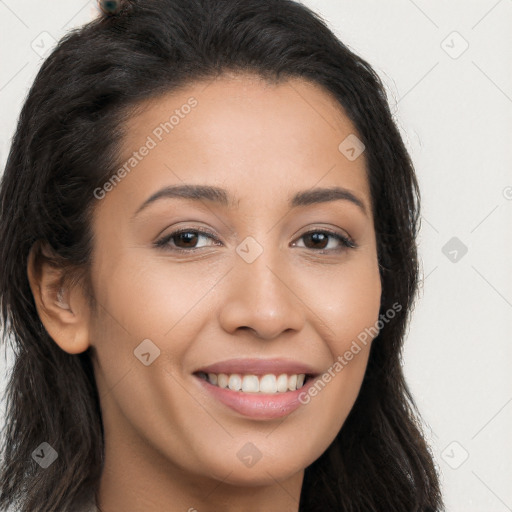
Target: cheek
<point>153,297</point>
<point>347,305</point>
<point>140,299</point>
<point>345,300</point>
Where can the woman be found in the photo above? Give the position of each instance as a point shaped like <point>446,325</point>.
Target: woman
<point>209,222</point>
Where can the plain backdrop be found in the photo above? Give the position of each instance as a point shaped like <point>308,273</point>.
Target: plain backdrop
<point>446,66</point>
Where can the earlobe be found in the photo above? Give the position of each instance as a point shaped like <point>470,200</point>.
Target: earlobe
<point>63,311</point>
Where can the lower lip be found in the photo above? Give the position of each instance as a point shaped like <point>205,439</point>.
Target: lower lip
<point>262,406</point>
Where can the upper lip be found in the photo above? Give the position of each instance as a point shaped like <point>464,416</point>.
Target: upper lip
<point>259,367</point>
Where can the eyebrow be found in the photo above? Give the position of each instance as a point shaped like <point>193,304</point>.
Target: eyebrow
<point>222,197</point>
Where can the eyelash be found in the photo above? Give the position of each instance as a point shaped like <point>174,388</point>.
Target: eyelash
<point>163,243</point>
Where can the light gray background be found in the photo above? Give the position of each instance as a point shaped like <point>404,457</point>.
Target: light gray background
<point>454,108</point>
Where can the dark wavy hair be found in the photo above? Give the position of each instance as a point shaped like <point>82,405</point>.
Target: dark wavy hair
<point>66,144</point>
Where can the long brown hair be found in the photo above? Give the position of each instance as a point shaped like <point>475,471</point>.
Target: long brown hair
<point>75,109</point>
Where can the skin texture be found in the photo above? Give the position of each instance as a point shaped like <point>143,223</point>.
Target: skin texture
<point>169,444</point>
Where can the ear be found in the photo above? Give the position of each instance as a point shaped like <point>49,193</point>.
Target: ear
<point>63,310</point>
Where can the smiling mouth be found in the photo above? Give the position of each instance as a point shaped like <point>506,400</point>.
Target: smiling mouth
<point>249,383</point>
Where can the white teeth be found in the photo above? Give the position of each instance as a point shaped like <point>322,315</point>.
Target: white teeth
<point>250,384</point>
<point>292,382</point>
<point>222,380</point>
<point>235,382</point>
<point>282,383</point>
<point>268,383</point>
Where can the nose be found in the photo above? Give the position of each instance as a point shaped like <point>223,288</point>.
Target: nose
<point>260,297</point>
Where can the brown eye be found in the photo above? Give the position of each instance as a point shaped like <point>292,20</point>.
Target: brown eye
<point>186,240</point>
<point>316,240</point>
<point>319,240</point>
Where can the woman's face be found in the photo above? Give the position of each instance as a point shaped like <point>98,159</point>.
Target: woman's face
<point>254,286</point>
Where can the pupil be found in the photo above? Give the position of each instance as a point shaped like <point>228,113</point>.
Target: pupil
<point>188,237</point>
<point>317,237</point>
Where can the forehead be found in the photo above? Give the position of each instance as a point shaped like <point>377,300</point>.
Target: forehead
<point>240,132</point>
